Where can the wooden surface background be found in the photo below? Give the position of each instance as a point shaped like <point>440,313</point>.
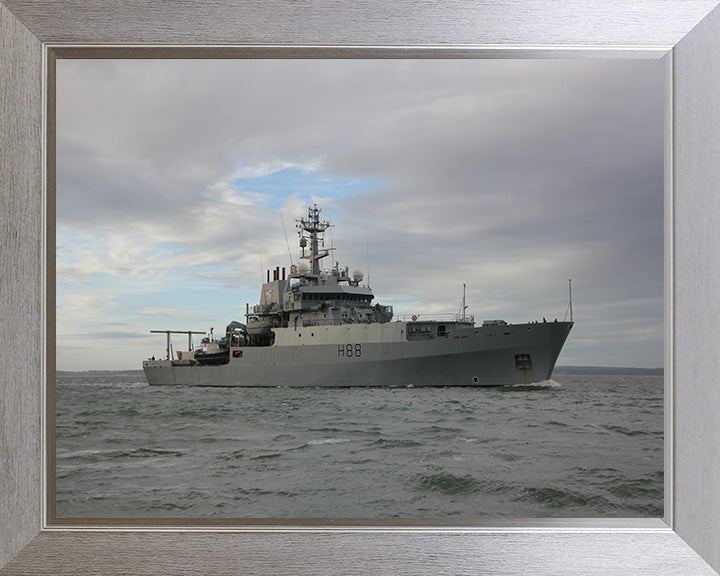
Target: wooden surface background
<point>650,26</point>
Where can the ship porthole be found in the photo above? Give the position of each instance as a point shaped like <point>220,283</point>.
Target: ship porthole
<point>476,379</point>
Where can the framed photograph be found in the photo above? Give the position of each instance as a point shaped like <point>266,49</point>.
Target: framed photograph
<point>470,188</point>
<point>684,540</point>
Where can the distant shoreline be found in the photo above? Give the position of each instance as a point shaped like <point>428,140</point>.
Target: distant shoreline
<point>585,370</point>
<point>609,370</point>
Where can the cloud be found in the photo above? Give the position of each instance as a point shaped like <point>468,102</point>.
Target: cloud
<point>510,176</point>
<point>82,308</point>
<point>167,312</point>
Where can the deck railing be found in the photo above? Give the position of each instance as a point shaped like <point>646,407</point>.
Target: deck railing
<point>469,318</point>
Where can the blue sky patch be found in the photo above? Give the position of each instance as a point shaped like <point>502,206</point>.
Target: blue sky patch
<point>301,183</point>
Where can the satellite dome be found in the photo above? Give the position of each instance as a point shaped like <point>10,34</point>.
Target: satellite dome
<point>357,275</point>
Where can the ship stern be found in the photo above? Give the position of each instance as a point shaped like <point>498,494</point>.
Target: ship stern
<point>159,372</point>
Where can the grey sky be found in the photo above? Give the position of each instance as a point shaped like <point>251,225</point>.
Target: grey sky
<point>509,176</point>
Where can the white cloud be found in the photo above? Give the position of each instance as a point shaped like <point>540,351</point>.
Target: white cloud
<point>511,176</point>
<point>82,308</point>
<point>167,312</point>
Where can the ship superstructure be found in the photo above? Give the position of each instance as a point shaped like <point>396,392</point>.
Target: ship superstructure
<point>319,327</point>
<point>310,296</point>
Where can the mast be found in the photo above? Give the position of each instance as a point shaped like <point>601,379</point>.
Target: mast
<point>570,293</point>
<point>315,228</point>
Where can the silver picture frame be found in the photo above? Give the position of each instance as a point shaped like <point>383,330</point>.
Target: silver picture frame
<point>684,33</point>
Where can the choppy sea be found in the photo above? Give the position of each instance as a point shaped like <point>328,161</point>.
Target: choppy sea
<point>575,446</point>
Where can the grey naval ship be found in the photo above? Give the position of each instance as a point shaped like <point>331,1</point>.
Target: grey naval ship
<point>319,327</point>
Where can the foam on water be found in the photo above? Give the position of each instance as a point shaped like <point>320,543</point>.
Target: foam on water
<point>542,384</point>
<point>328,441</point>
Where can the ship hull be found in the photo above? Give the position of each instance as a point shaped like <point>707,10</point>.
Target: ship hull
<point>381,355</point>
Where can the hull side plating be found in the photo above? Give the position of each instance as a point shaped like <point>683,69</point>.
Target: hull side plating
<point>381,355</point>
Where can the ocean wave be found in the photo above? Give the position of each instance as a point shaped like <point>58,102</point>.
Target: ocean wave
<point>636,489</point>
<point>447,483</point>
<point>267,456</point>
<point>626,431</point>
<point>117,454</point>
<point>555,424</point>
<point>326,429</point>
<point>395,443</point>
<point>564,499</point>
